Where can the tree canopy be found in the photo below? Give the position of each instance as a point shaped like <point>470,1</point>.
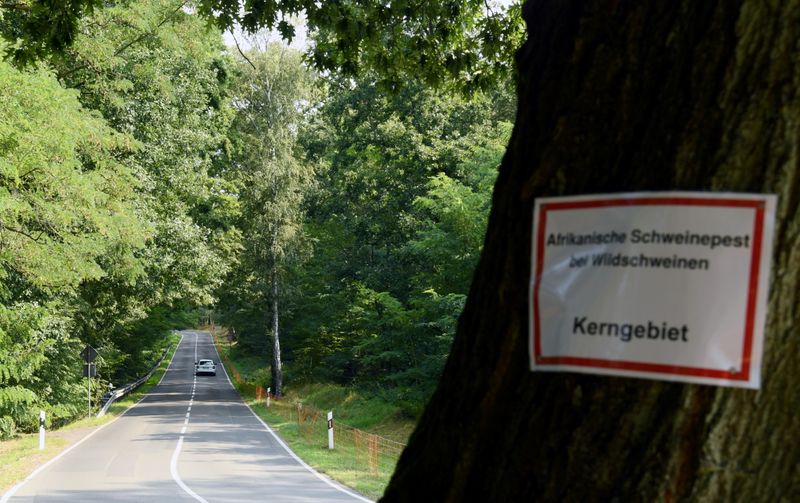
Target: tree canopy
<point>463,44</point>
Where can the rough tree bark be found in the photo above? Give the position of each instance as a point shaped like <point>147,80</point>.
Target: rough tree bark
<point>625,96</point>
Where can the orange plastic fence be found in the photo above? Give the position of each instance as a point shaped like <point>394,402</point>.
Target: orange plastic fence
<point>371,454</point>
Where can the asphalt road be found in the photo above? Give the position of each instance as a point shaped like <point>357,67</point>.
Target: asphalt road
<point>189,439</point>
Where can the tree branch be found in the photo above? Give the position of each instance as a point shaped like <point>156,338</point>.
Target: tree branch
<point>241,53</point>
<point>28,173</point>
<point>22,233</point>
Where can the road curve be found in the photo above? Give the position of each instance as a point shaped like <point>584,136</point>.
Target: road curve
<point>189,439</point>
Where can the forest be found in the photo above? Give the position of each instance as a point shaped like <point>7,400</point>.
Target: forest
<point>153,177</point>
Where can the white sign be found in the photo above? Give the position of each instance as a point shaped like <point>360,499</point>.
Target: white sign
<point>667,285</point>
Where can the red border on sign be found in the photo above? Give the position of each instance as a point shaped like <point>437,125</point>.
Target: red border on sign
<point>755,262</point>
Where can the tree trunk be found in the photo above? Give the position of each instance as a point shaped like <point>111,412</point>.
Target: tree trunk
<point>626,96</point>
<point>277,370</point>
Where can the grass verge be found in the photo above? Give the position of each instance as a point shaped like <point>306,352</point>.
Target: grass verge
<point>21,456</point>
<point>347,463</point>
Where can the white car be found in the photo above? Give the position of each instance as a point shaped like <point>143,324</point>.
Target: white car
<point>205,367</point>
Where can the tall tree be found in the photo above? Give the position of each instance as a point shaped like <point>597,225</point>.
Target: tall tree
<point>271,96</point>
<point>397,220</point>
<point>625,96</point>
<point>66,202</point>
<point>157,73</point>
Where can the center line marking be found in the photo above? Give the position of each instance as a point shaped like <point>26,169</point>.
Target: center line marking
<point>173,468</point>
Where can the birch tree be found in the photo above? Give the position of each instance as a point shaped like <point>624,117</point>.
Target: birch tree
<point>270,100</point>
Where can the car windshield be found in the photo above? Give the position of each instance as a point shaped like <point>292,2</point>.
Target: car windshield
<point>206,362</point>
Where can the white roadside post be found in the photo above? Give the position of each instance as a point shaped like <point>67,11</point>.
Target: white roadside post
<point>41,430</point>
<point>268,392</point>
<point>330,430</point>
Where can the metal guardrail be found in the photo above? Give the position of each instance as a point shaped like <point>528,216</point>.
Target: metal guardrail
<point>111,396</point>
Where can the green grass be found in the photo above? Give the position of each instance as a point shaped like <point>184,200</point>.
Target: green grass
<point>353,408</point>
<point>349,462</point>
<point>21,455</point>
<point>343,464</point>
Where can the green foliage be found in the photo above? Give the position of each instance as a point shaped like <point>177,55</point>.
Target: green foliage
<point>40,27</point>
<point>449,237</point>
<point>64,196</point>
<point>467,44</point>
<point>397,221</point>
<point>67,203</point>
<point>7,428</point>
<point>157,73</point>
<point>36,373</point>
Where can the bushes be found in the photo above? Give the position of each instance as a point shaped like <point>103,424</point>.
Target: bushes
<point>7,429</point>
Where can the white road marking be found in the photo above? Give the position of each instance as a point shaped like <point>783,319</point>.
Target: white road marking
<point>173,466</point>
<point>173,469</point>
